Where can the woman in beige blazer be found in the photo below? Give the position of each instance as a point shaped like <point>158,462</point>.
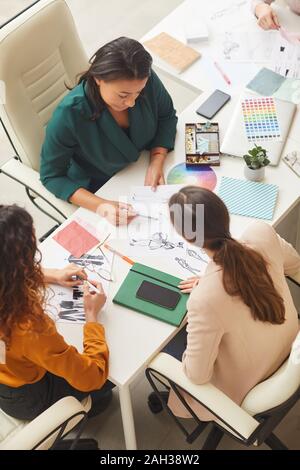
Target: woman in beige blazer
<point>241,319</point>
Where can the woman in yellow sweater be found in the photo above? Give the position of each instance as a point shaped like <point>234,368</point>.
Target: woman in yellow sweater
<point>37,367</point>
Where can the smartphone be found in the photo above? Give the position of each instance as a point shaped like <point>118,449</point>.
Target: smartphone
<point>158,295</point>
<point>213,104</point>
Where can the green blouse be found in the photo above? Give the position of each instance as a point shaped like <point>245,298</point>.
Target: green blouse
<point>77,149</point>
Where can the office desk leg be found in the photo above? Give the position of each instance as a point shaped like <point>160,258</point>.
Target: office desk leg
<point>127,417</point>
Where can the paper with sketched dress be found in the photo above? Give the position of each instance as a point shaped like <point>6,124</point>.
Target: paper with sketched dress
<point>65,304</point>
<point>155,238</point>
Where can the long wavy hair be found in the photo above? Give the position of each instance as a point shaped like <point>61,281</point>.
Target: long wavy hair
<point>22,287</point>
<point>120,59</point>
<point>245,271</point>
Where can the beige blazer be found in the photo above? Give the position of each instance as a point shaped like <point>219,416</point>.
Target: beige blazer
<point>225,345</point>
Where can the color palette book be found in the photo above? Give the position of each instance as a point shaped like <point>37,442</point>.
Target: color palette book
<point>248,198</point>
<point>260,119</point>
<point>205,177</point>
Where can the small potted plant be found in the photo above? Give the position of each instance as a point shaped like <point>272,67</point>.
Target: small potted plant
<point>256,160</point>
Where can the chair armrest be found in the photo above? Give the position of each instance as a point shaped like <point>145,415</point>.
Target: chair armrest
<point>295,278</point>
<point>226,410</point>
<point>31,179</point>
<point>45,424</point>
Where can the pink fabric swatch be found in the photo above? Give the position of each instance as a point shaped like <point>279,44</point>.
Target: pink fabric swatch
<point>75,239</point>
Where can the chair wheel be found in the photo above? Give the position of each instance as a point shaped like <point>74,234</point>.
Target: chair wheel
<point>154,402</point>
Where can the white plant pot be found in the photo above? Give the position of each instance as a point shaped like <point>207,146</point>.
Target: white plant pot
<point>254,175</point>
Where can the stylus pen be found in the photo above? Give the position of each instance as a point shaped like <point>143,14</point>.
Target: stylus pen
<point>125,258</point>
<point>147,216</point>
<point>222,73</point>
<point>88,283</point>
<point>92,286</point>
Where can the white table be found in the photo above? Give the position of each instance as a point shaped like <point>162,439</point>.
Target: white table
<point>134,339</point>
<point>203,74</point>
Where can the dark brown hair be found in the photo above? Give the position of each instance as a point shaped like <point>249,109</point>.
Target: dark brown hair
<point>244,269</point>
<point>22,288</point>
<point>122,58</point>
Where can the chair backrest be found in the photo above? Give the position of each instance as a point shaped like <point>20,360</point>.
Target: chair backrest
<point>42,432</point>
<point>278,388</point>
<point>40,51</point>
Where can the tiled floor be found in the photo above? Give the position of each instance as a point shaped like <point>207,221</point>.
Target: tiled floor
<point>99,21</point>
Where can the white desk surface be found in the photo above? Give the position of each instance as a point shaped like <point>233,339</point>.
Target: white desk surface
<point>134,338</point>
<point>203,74</point>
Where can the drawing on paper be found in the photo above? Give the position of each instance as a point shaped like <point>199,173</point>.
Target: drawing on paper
<point>185,265</point>
<point>230,10</point>
<point>94,264</point>
<point>156,241</point>
<point>230,46</point>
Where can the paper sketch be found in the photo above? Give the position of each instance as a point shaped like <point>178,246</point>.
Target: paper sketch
<point>220,18</point>
<point>254,46</point>
<point>293,161</point>
<point>65,304</point>
<point>285,58</point>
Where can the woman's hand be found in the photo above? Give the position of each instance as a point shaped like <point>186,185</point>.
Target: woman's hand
<point>66,277</point>
<point>117,213</point>
<point>154,175</point>
<point>266,17</point>
<point>92,301</point>
<point>188,285</point>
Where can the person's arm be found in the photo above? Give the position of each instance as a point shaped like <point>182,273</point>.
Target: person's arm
<point>65,276</point>
<point>47,348</point>
<point>204,336</point>
<point>87,371</point>
<point>291,259</point>
<point>254,4</point>
<point>164,138</point>
<point>266,16</point>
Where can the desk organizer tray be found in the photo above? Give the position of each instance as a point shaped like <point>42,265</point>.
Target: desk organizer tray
<point>202,145</point>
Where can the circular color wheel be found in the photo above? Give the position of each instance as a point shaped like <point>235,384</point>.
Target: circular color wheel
<point>204,177</point>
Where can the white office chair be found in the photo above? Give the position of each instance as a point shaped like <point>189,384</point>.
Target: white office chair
<point>251,423</point>
<point>47,429</point>
<point>40,51</point>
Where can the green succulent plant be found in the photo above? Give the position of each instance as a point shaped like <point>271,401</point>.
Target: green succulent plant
<point>256,158</point>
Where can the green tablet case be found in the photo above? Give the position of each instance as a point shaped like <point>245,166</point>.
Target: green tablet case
<point>126,294</point>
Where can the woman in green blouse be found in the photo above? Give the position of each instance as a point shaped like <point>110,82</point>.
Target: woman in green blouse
<point>119,108</point>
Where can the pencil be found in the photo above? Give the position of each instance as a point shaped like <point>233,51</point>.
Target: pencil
<point>125,258</point>
<point>222,73</point>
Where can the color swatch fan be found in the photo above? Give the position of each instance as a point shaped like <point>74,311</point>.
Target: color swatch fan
<point>204,177</point>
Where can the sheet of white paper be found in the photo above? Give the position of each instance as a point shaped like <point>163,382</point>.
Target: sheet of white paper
<point>285,58</point>
<point>221,18</point>
<point>156,237</point>
<point>251,46</point>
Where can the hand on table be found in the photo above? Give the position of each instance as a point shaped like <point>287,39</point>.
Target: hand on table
<point>188,285</point>
<point>266,17</point>
<point>154,175</point>
<point>66,277</point>
<point>117,213</point>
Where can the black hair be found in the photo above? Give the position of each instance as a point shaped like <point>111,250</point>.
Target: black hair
<point>122,58</point>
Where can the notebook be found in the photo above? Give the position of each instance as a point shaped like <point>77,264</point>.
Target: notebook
<point>236,141</point>
<point>248,198</point>
<point>172,52</point>
<point>127,294</point>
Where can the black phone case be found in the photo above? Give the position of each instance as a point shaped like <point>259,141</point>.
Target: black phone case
<point>149,285</point>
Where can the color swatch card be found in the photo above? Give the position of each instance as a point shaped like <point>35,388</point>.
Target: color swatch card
<point>248,198</point>
<point>260,119</point>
